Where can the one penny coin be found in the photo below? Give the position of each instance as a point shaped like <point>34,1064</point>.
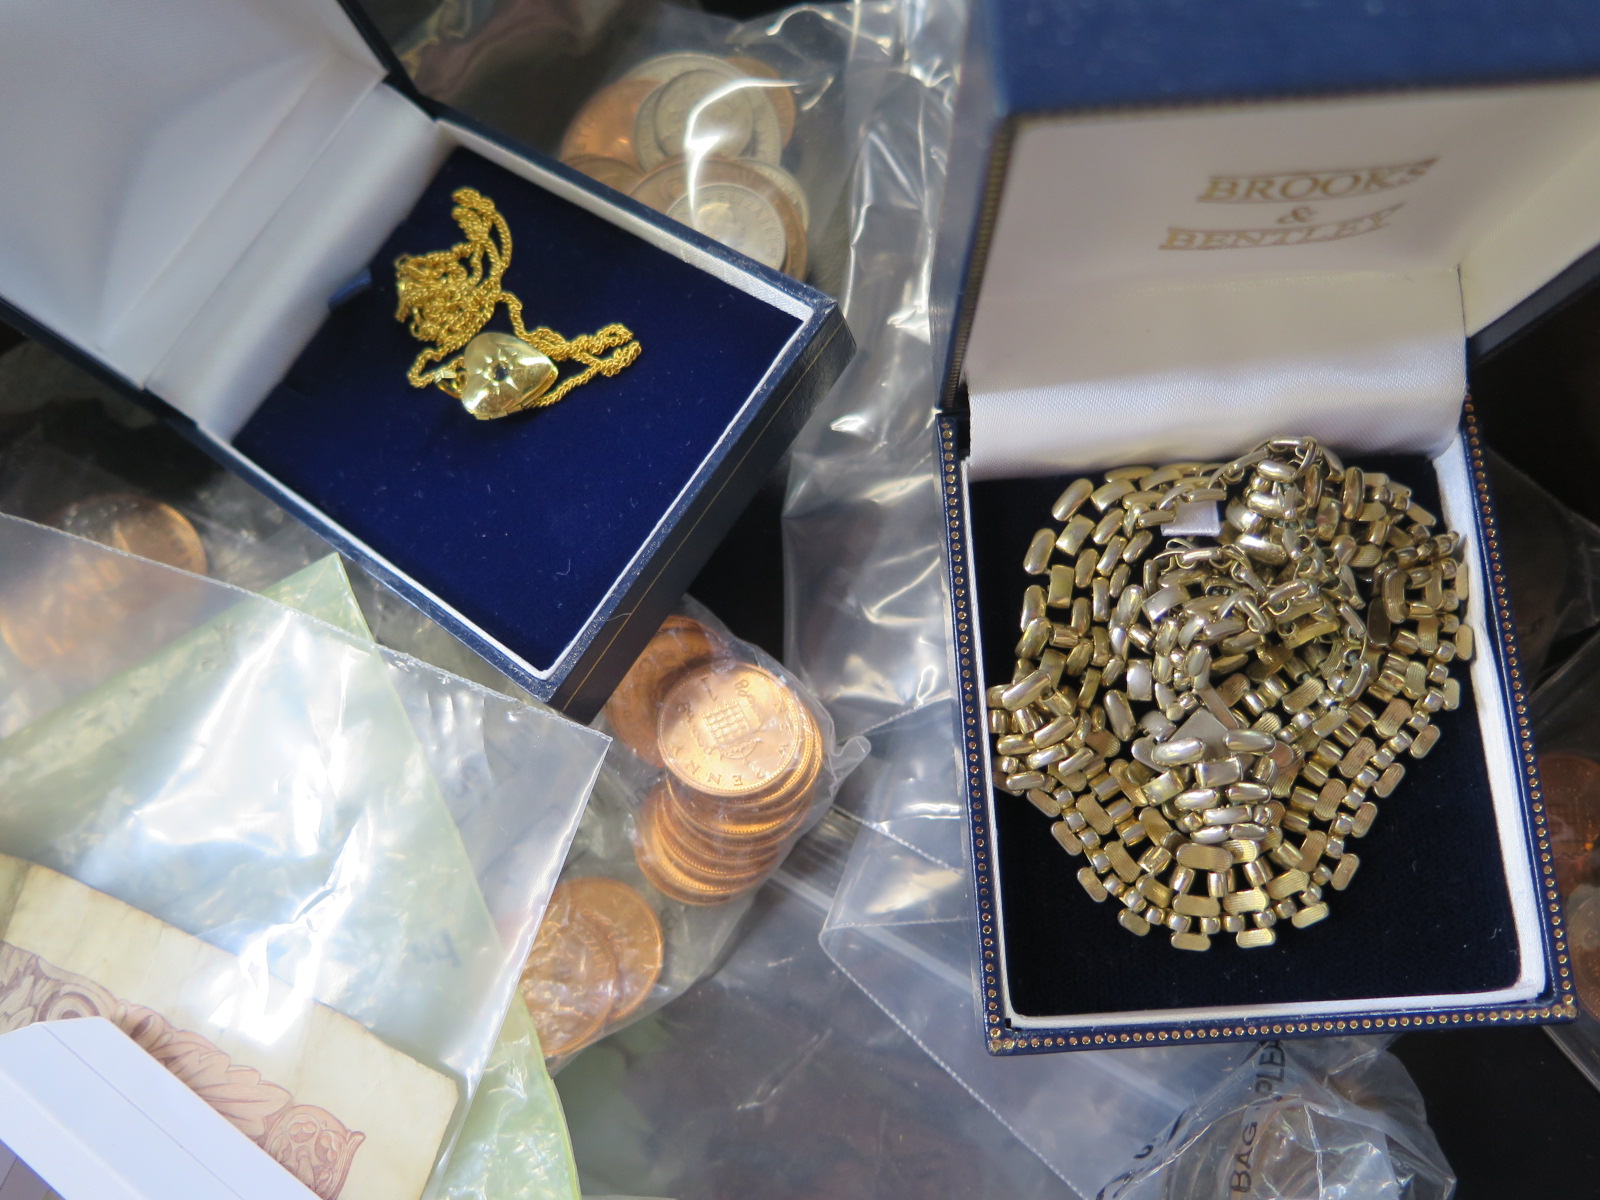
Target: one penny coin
<point>603,128</point>
<point>634,931</point>
<point>610,171</point>
<point>635,706</point>
<point>730,729</point>
<point>570,979</point>
<point>137,525</point>
<point>1583,939</point>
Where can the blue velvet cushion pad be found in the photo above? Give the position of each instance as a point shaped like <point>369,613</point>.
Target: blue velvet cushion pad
<point>521,524</point>
<point>1428,912</point>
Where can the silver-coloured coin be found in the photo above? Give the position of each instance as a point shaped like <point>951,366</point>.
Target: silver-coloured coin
<point>703,112</point>
<point>736,217</point>
<point>767,130</point>
<point>785,183</point>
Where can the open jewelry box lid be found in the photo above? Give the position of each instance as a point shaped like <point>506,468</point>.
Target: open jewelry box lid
<point>196,185</point>
<point>1178,232</point>
<point>1163,214</point>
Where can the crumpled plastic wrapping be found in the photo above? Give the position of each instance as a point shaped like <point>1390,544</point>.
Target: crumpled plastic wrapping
<point>1313,1119</point>
<point>900,926</point>
<point>513,1143</point>
<point>775,1078</point>
<point>353,822</point>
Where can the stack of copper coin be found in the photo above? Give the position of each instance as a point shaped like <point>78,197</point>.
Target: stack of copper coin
<point>742,756</point>
<point>598,954</point>
<point>67,616</point>
<point>700,138</point>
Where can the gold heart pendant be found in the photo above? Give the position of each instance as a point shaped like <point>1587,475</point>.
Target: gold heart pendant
<point>502,374</point>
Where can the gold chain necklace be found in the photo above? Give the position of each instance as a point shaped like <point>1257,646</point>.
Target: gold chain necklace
<point>448,296</point>
<point>1210,723</point>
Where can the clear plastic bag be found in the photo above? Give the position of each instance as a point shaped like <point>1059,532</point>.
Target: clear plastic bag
<point>742,131</point>
<point>901,927</point>
<point>864,565</point>
<point>1567,733</point>
<point>721,763</point>
<point>1552,561</point>
<point>1315,1119</point>
<point>776,1078</point>
<point>351,828</point>
<point>513,1144</point>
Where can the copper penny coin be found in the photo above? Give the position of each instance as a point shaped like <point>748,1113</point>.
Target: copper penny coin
<point>730,729</point>
<point>781,98</point>
<point>1571,784</point>
<point>709,864</point>
<point>1583,940</point>
<point>634,931</point>
<point>570,979</point>
<point>759,809</point>
<point>635,706</point>
<point>57,620</point>
<point>612,172</point>
<point>66,617</point>
<point>139,526</point>
<point>603,128</point>
<point>661,869</point>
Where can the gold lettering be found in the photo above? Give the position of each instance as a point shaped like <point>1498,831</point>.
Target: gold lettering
<point>1221,189</point>
<point>1347,184</point>
<point>1295,235</point>
<point>1298,187</point>
<point>1285,187</point>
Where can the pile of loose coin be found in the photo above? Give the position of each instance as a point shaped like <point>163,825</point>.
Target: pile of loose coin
<point>1211,721</point>
<point>741,755</point>
<point>701,138</point>
<point>597,956</point>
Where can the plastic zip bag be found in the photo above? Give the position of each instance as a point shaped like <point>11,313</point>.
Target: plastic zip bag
<point>745,132</point>
<point>776,1078</point>
<point>1314,1119</point>
<point>350,824</point>
<point>901,927</point>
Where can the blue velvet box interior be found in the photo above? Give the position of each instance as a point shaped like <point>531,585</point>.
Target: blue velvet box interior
<point>521,524</point>
<point>1427,914</point>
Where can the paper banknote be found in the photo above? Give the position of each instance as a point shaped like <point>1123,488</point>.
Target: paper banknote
<point>351,1117</point>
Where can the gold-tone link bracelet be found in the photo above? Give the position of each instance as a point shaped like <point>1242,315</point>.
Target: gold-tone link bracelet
<point>1210,722</point>
<point>448,296</point>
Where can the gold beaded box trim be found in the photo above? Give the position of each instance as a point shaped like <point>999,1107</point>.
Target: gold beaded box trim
<point>1557,1003</point>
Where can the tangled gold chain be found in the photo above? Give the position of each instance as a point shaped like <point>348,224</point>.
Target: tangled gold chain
<point>1211,723</point>
<point>447,296</point>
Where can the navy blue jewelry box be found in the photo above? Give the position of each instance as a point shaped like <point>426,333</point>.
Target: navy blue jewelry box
<point>220,241</point>
<point>1173,233</point>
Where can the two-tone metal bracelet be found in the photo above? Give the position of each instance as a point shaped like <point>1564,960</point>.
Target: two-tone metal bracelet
<point>1210,721</point>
